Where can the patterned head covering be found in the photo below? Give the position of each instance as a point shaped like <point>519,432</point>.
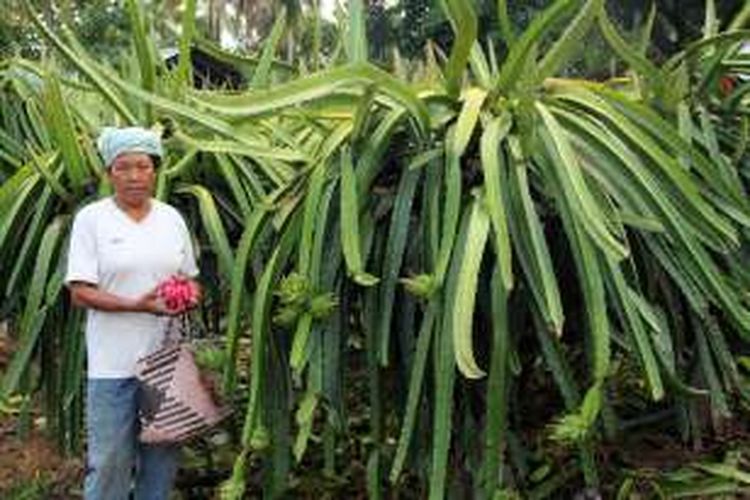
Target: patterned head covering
<point>115,141</point>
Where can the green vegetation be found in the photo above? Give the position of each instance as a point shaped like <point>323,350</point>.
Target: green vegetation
<point>465,276</point>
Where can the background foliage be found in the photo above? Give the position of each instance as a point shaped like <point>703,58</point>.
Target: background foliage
<point>433,265</point>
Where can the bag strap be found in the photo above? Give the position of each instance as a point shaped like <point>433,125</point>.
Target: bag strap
<point>179,328</point>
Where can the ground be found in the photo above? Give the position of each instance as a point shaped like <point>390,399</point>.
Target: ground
<point>32,468</point>
<point>643,462</point>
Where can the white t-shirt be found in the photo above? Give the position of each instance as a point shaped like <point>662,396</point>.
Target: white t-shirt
<point>126,258</point>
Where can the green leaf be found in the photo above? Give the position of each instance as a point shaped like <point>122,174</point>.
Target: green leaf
<point>631,319</point>
<point>15,193</point>
<point>512,70</point>
<point>552,353</point>
<point>44,166</point>
<point>62,130</point>
<point>506,26</point>
<point>83,63</point>
<point>213,226</point>
<point>262,74</point>
<point>252,148</point>
<point>575,189</point>
<point>185,63</point>
<point>725,471</point>
<point>35,310</point>
<point>144,49</point>
<point>398,233</point>
<point>741,19</point>
<point>260,315</point>
<point>464,23</point>
<point>570,41</point>
<point>646,31</point>
<point>710,23</point>
<point>588,271</point>
<point>357,36</point>
<point>719,402</point>
<point>299,343</point>
<point>664,161</point>
<point>363,115</point>
<point>592,404</point>
<point>480,67</point>
<point>473,241</point>
<point>633,57</point>
<point>529,241</point>
<point>496,414</point>
<point>350,237</point>
<point>33,234</point>
<point>371,157</point>
<point>445,374</point>
<point>425,158</point>
<point>175,108</point>
<point>312,200</point>
<point>316,86</point>
<point>452,207</point>
<point>304,418</point>
<point>493,166</point>
<point>415,387</point>
<point>235,186</point>
<point>467,119</point>
<point>254,226</point>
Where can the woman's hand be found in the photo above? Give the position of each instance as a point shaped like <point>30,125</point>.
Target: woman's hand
<point>152,303</point>
<point>90,296</point>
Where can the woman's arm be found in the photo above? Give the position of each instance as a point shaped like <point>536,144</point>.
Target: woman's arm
<point>89,296</point>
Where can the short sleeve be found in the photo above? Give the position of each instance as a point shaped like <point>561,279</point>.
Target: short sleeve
<point>188,267</point>
<point>83,261</point>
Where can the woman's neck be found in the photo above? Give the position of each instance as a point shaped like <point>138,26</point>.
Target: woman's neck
<point>137,212</point>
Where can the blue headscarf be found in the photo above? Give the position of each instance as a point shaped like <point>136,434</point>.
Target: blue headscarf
<point>115,141</point>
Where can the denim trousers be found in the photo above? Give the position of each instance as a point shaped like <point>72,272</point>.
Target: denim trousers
<point>117,464</point>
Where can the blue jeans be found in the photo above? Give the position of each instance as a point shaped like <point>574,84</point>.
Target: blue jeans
<point>116,461</point>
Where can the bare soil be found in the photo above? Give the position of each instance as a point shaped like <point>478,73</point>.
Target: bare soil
<point>32,468</point>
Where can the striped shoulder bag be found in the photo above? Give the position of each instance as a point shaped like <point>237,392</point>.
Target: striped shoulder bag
<point>175,404</point>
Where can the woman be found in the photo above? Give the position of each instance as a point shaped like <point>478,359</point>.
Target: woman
<point>121,247</point>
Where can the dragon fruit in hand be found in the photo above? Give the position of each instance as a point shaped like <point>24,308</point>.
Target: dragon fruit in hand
<point>178,293</point>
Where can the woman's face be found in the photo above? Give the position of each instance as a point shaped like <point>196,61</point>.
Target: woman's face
<point>133,177</point>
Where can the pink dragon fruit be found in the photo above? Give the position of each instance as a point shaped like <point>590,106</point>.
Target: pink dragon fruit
<point>178,293</point>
